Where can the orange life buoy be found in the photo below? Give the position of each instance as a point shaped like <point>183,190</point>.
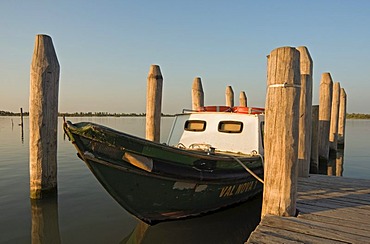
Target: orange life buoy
<point>215,109</point>
<point>248,110</point>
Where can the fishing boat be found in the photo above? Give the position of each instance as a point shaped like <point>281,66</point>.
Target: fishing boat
<point>213,159</point>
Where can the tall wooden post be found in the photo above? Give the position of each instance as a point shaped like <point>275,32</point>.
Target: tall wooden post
<point>43,117</point>
<point>154,103</point>
<point>229,96</point>
<point>243,99</point>
<point>314,165</point>
<point>326,91</point>
<point>21,124</point>
<point>305,117</point>
<point>197,94</point>
<point>342,118</point>
<point>281,132</point>
<point>333,134</point>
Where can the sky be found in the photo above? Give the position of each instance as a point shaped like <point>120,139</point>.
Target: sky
<point>105,49</point>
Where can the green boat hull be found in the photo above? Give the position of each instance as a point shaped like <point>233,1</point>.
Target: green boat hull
<point>177,184</point>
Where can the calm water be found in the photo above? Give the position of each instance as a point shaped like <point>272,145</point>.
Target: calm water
<point>85,213</point>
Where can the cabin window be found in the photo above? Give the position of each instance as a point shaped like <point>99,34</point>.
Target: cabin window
<point>195,125</point>
<point>230,126</point>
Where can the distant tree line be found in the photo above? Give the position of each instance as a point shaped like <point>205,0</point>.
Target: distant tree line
<point>7,113</point>
<point>86,114</point>
<point>106,114</point>
<point>358,116</point>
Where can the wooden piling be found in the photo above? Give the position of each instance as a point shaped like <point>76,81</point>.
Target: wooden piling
<point>305,124</point>
<point>21,124</point>
<point>43,118</point>
<point>314,164</point>
<point>197,94</point>
<point>281,132</point>
<point>325,100</point>
<point>333,134</point>
<point>154,103</point>
<point>229,96</point>
<point>243,99</point>
<point>342,118</point>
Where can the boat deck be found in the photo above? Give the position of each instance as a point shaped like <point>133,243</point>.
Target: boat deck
<point>331,210</point>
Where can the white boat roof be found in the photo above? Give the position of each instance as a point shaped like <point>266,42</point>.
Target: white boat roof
<point>223,131</point>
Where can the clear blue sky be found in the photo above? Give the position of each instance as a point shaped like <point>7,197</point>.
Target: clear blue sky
<point>105,48</point>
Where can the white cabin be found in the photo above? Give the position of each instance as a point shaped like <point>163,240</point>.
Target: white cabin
<point>221,131</point>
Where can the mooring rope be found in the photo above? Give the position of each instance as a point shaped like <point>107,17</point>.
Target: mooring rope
<point>247,169</point>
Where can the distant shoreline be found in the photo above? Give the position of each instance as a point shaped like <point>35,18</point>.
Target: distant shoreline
<point>106,114</point>
<point>84,114</point>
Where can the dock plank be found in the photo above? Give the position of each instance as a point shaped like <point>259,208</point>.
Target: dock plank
<point>340,213</point>
<point>331,210</point>
<point>333,220</point>
<point>302,226</point>
<point>281,235</point>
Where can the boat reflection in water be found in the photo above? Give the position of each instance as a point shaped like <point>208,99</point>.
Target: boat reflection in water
<point>232,225</point>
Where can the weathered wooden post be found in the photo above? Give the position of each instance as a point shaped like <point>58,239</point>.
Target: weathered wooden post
<point>325,98</point>
<point>342,118</point>
<point>229,96</point>
<point>333,134</point>
<point>43,117</point>
<point>281,132</point>
<point>305,124</point>
<point>21,124</point>
<point>243,99</point>
<point>154,103</point>
<point>314,165</point>
<point>197,94</point>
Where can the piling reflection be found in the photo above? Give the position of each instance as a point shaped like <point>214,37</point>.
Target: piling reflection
<point>340,162</point>
<point>335,163</point>
<point>22,134</point>
<point>331,166</point>
<point>232,225</point>
<point>45,224</point>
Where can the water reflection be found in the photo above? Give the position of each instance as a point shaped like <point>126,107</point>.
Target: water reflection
<point>340,162</point>
<point>232,225</point>
<point>22,134</point>
<point>45,221</point>
<point>335,164</point>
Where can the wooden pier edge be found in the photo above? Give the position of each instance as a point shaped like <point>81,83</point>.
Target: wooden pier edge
<point>331,210</point>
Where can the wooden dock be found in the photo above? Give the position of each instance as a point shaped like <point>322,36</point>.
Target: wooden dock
<point>331,210</point>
